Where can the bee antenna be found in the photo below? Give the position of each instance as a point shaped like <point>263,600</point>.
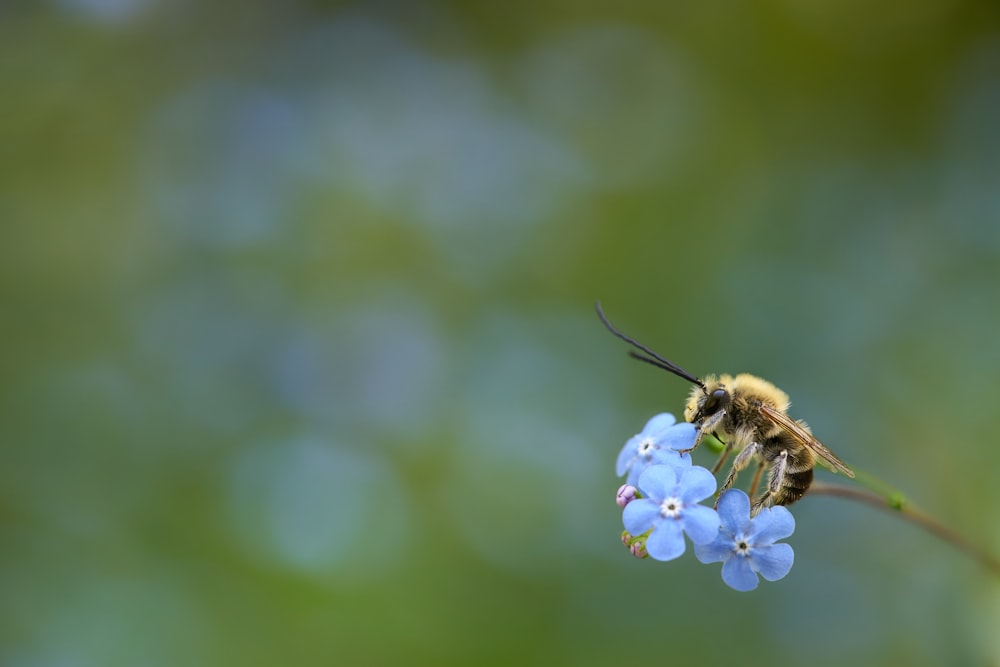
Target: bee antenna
<point>653,359</point>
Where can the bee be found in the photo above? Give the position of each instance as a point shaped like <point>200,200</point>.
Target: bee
<point>749,416</point>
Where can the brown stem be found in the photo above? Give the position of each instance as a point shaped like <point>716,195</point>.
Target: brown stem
<point>908,512</point>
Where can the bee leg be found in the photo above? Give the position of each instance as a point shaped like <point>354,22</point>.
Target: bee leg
<point>756,478</point>
<point>739,463</point>
<point>726,448</point>
<point>707,426</point>
<point>775,483</point>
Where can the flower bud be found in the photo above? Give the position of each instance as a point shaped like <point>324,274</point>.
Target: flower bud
<point>626,494</point>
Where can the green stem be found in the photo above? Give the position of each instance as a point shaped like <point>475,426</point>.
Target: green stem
<point>886,498</point>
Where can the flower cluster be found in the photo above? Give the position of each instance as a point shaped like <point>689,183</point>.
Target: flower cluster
<point>661,503</point>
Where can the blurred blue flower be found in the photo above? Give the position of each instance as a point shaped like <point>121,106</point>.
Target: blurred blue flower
<point>746,546</point>
<point>670,508</point>
<point>657,443</point>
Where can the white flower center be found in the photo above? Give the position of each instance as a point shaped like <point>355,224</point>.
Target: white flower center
<point>646,447</point>
<point>742,545</point>
<point>670,508</point>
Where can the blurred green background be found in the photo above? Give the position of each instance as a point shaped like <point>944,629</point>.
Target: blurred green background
<point>298,352</point>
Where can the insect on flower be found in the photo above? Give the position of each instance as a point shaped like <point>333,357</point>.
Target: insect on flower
<point>750,417</point>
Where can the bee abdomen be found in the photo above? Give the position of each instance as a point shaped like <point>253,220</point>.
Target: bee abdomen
<point>794,486</point>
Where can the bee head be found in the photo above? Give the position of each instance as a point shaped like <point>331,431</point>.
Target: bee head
<point>706,400</point>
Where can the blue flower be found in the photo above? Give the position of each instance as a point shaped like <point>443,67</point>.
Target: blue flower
<point>657,443</point>
<point>746,546</point>
<point>670,508</point>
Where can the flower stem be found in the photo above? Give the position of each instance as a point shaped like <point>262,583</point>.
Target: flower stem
<point>892,501</point>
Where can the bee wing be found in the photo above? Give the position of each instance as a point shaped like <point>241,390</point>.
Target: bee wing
<point>795,430</point>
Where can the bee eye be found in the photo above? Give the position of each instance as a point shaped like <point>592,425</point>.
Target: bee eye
<point>716,401</point>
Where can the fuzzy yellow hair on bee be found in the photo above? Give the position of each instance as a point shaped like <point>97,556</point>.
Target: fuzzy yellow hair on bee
<point>743,383</point>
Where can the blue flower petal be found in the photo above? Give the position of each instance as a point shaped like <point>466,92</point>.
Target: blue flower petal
<point>771,524</point>
<point>734,511</point>
<point>627,455</point>
<point>666,542</point>
<point>774,561</point>
<point>640,515</point>
<point>670,457</point>
<point>657,482</point>
<point>700,523</point>
<point>636,471</point>
<point>680,436</point>
<point>660,422</point>
<point>684,460</point>
<point>696,484</point>
<point>738,574</point>
<point>716,551</point>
